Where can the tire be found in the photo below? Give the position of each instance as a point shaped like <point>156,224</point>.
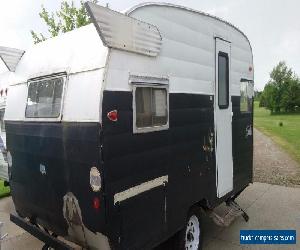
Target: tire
<point>46,247</point>
<point>191,236</point>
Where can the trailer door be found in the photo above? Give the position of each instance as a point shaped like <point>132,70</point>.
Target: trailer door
<point>223,119</point>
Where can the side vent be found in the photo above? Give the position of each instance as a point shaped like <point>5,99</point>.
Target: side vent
<point>123,32</point>
<point>11,57</point>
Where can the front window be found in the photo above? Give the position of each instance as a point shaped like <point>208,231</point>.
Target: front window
<point>45,98</point>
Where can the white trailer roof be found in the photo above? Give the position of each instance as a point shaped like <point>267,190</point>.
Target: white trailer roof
<point>75,51</point>
<point>141,5</point>
<point>187,55</point>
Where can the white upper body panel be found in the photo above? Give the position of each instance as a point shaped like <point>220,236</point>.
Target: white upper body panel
<point>187,54</point>
<point>76,51</point>
<point>80,54</point>
<point>186,58</point>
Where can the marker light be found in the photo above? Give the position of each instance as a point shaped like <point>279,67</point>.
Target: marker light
<point>113,115</point>
<point>96,203</point>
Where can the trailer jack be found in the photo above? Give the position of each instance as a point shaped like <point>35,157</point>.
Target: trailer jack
<point>233,212</point>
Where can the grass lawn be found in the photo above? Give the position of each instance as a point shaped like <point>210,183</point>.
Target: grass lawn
<point>4,191</point>
<point>287,135</point>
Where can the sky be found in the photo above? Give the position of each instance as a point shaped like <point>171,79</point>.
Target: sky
<point>272,26</point>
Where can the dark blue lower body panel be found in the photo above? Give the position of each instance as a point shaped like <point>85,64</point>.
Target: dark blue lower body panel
<point>131,159</point>
<point>67,151</point>
<point>50,160</point>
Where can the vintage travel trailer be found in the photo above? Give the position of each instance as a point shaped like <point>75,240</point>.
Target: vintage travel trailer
<point>119,133</point>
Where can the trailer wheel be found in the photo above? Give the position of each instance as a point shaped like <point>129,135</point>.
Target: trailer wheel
<point>190,237</point>
<point>46,247</point>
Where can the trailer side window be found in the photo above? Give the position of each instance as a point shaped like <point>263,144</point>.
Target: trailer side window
<point>223,80</point>
<point>151,108</point>
<point>45,98</point>
<point>246,97</point>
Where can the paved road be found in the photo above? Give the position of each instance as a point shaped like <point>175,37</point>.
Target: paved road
<point>269,207</point>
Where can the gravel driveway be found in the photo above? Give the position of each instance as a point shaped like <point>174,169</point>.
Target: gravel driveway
<point>273,165</point>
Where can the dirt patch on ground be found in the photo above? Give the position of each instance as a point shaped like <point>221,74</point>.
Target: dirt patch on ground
<point>273,165</point>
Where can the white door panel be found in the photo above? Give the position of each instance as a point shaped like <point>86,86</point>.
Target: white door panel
<point>223,119</point>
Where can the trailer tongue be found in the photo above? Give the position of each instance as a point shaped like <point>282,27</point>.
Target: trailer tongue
<point>42,235</point>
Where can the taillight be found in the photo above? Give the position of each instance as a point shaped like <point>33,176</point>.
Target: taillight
<point>113,115</point>
<point>96,203</point>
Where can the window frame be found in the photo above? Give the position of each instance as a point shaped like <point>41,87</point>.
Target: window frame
<point>247,84</point>
<point>226,56</point>
<point>62,75</point>
<point>135,85</point>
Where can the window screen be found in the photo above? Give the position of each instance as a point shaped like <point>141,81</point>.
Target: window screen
<point>223,80</point>
<point>246,97</point>
<point>45,98</point>
<point>151,107</point>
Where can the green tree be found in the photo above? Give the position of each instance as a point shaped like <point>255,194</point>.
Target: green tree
<point>280,77</point>
<point>291,96</point>
<point>281,93</point>
<point>268,97</point>
<point>67,18</point>
<point>257,95</point>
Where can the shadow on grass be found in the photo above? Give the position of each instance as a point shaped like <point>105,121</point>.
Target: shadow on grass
<point>285,113</point>
<point>4,191</point>
<point>3,195</point>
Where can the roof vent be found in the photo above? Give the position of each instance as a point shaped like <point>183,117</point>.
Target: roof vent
<point>11,57</point>
<point>123,32</point>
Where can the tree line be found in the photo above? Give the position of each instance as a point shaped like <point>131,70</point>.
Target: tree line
<point>282,92</point>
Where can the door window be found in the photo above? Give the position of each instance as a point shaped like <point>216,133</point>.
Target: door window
<point>223,80</point>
